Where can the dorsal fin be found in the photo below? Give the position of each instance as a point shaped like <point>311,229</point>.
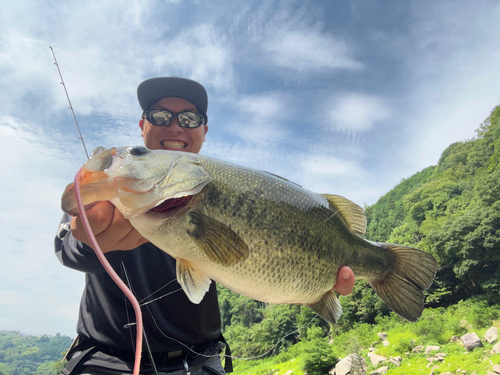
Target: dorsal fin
<point>353,215</point>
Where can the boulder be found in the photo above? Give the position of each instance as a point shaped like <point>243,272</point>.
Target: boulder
<point>430,348</point>
<point>491,335</point>
<point>418,349</point>
<point>396,360</point>
<point>496,368</point>
<point>382,335</point>
<point>471,341</point>
<point>496,348</point>
<point>385,343</point>
<point>440,356</point>
<point>380,371</point>
<point>348,364</point>
<point>376,359</point>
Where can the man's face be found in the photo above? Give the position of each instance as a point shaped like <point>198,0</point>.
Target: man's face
<point>173,137</point>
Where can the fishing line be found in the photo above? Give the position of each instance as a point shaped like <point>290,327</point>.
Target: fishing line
<point>226,356</point>
<point>156,291</point>
<point>156,299</point>
<point>314,226</point>
<point>150,354</point>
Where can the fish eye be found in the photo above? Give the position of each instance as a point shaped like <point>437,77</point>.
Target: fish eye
<point>138,150</point>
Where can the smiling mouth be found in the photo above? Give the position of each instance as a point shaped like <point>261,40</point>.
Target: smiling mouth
<point>174,144</point>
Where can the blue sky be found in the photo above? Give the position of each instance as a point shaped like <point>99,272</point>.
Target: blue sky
<point>342,97</point>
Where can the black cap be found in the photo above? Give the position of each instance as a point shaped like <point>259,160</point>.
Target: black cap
<point>153,89</point>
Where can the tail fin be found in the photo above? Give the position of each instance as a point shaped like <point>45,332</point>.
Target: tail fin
<point>402,288</point>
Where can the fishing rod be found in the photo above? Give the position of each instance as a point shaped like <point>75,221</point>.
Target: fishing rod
<point>100,255</point>
<point>80,137</point>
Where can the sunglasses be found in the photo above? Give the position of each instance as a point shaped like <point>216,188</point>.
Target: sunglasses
<point>163,117</point>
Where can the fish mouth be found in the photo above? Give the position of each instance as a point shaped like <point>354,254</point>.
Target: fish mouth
<point>174,144</point>
<point>173,205</point>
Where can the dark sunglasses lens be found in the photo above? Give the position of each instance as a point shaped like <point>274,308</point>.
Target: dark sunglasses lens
<point>190,119</point>
<point>160,117</point>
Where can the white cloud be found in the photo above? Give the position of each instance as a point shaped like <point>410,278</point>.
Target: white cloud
<point>309,51</point>
<point>261,119</point>
<point>356,113</point>
<point>200,53</point>
<point>330,166</point>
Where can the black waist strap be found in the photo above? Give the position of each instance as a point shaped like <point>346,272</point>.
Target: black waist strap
<point>160,358</point>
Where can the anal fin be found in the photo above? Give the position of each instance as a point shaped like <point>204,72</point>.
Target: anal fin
<point>328,307</point>
<point>194,283</point>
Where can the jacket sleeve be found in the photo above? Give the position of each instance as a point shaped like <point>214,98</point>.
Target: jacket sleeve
<point>79,256</point>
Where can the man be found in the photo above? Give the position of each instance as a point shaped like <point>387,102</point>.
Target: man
<point>182,336</point>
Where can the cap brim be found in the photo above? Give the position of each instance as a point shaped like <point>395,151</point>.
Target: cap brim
<point>152,90</point>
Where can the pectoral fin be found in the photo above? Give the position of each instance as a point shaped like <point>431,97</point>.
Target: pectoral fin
<point>194,283</point>
<point>219,242</point>
<point>328,307</point>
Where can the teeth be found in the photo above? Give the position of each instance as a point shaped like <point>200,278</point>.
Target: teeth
<point>174,144</point>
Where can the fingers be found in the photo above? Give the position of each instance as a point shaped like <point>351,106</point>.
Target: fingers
<point>345,281</point>
<point>111,229</point>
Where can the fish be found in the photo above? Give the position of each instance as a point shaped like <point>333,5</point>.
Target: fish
<point>251,231</point>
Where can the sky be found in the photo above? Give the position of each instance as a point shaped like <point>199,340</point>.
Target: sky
<point>342,97</point>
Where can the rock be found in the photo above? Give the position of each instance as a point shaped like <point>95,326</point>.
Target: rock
<point>382,335</point>
<point>471,341</point>
<point>455,339</point>
<point>496,348</point>
<point>349,363</point>
<point>430,348</point>
<point>396,360</point>
<point>380,371</point>
<point>496,368</point>
<point>491,335</point>
<point>418,349</point>
<point>447,373</point>
<point>440,356</point>
<point>385,343</point>
<point>376,359</point>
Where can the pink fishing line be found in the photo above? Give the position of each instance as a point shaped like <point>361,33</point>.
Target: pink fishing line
<point>112,273</point>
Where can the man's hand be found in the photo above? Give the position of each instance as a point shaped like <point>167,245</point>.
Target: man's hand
<point>111,229</point>
<point>345,281</point>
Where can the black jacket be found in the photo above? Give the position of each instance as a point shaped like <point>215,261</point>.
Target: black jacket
<point>105,312</point>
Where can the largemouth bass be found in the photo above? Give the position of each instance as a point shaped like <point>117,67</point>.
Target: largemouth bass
<point>258,234</point>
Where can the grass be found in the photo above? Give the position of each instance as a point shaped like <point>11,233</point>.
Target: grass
<point>436,327</point>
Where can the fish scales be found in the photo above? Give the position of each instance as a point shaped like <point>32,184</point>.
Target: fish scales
<point>312,241</point>
<point>256,233</point>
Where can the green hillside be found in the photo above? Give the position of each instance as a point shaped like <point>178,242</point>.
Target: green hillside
<point>452,211</point>
<point>31,355</point>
